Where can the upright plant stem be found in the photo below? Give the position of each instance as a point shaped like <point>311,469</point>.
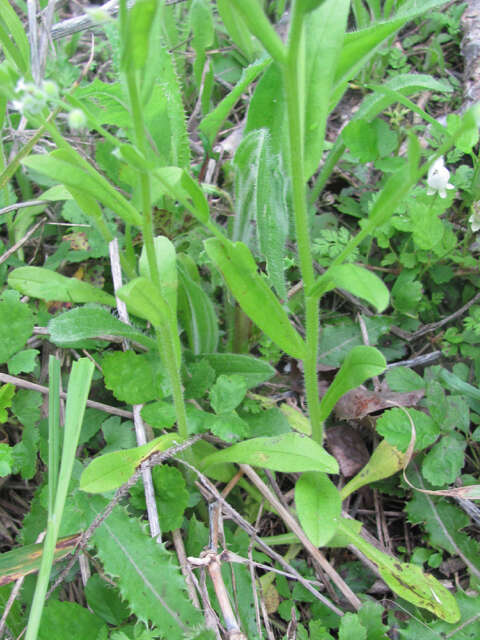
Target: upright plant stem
<point>292,74</point>
<point>164,337</point>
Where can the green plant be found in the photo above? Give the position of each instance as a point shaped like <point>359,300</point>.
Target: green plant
<point>142,168</point>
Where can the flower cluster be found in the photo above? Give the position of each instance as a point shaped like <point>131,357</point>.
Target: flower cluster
<point>32,98</point>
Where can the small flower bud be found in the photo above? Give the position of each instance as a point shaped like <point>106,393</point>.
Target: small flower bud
<point>76,119</point>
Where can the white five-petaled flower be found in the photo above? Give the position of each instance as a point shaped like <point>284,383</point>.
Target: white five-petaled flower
<point>437,179</point>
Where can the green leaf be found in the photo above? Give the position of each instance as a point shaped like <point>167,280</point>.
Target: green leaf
<point>6,459</point>
<point>197,314</point>
<point>104,600</point>
<point>13,39</point>
<point>25,452</point>
<point>445,460</point>
<point>140,19</point>
<point>351,628</point>
<point>70,169</point>
<point>238,267</point>
<point>160,415</point>
<point>443,523</point>
<point>258,24</point>
<point>356,280</point>
<point>265,113</point>
<point>131,377</point>
<point>85,323</point>
<point>38,282</point>
<point>24,560</point>
<point>253,370</point>
<point>290,452</point>
<point>261,197</point>
<point>395,427</point>
<point>227,393</point>
<point>360,364</point>
<point>111,470</point>
<point>408,580</point>
<point>324,34</point>
<point>7,391</point>
<point>407,293</point>
<point>23,361</point>
<point>384,462</point>
<point>404,380</point>
<point>212,122</point>
<point>167,270</point>
<point>143,299</point>
<point>171,496</point>
<point>359,46</point>
<point>180,186</point>
<point>16,327</point>
<point>69,620</point>
<point>147,575</point>
<point>237,29</point>
<point>318,506</point>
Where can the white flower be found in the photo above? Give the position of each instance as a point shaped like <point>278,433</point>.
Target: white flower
<point>474,219</point>
<point>437,179</point>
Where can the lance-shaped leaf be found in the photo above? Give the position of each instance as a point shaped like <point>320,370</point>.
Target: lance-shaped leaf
<point>139,22</point>
<point>408,580</point>
<point>356,280</point>
<point>113,469</point>
<point>360,364</point>
<point>197,314</point>
<point>289,453</point>
<point>70,169</point>
<point>254,296</point>
<point>147,575</point>
<point>38,282</point>
<point>324,34</point>
<point>85,323</point>
<point>318,505</point>
<point>261,197</point>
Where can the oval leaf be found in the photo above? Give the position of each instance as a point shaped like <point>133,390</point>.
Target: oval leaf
<point>360,364</point>
<point>318,506</point>
<point>289,453</point>
<point>357,280</point>
<point>254,296</point>
<point>38,282</point>
<point>110,471</point>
